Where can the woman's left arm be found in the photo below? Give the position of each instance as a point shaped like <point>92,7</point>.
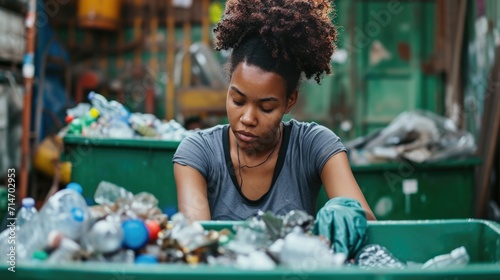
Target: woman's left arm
<point>338,180</point>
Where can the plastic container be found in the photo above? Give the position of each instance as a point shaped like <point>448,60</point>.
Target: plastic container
<point>26,213</point>
<point>138,165</point>
<point>411,191</point>
<point>416,241</point>
<point>66,211</point>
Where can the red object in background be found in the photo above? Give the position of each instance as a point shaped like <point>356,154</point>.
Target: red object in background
<point>87,81</point>
<point>69,118</point>
<point>153,229</point>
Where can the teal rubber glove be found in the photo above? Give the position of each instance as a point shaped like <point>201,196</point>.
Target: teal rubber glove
<point>343,221</point>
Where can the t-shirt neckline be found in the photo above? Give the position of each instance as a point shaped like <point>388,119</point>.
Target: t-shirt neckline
<point>287,128</point>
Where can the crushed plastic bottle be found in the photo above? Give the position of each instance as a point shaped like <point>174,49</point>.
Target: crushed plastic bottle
<point>105,236</point>
<point>64,249</point>
<point>107,193</point>
<point>458,256</point>
<point>301,249</point>
<point>376,256</point>
<point>66,211</point>
<point>111,109</point>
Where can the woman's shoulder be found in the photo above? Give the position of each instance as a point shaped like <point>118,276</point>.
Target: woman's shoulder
<point>206,136</point>
<point>304,129</point>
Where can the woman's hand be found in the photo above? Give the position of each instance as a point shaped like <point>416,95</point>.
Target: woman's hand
<point>191,192</point>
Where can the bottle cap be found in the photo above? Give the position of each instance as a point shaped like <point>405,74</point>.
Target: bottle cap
<point>135,234</point>
<point>94,113</point>
<point>77,214</point>
<point>146,259</point>
<point>92,95</point>
<point>69,118</point>
<point>40,255</point>
<point>28,202</point>
<point>75,186</point>
<point>153,229</point>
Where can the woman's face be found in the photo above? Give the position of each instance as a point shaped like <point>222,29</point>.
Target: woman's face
<point>256,102</point>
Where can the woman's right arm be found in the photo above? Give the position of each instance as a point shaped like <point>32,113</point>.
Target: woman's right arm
<point>191,192</point>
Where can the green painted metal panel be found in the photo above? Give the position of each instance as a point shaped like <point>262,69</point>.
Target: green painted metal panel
<point>411,191</point>
<point>137,165</point>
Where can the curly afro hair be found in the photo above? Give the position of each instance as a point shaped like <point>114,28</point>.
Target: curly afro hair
<point>284,36</point>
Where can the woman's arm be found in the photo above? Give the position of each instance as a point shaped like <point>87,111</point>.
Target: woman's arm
<point>191,192</point>
<point>338,180</point>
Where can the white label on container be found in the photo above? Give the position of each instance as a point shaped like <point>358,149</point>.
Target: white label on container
<point>410,186</point>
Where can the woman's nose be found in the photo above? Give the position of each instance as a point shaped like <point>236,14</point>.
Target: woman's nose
<point>248,117</point>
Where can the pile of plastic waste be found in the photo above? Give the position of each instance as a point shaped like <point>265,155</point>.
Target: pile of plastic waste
<point>127,228</point>
<point>110,119</point>
<point>417,136</point>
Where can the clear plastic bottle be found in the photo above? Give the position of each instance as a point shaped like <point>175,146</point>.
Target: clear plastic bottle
<point>26,213</point>
<point>24,216</point>
<point>111,109</point>
<point>66,211</point>
<point>107,192</point>
<point>65,249</point>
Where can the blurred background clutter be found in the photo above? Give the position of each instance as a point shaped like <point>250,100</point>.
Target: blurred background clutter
<point>95,91</point>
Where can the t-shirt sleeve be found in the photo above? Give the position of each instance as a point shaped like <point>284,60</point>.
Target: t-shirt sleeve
<point>321,144</point>
<point>192,152</point>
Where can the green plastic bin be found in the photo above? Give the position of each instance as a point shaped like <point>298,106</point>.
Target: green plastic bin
<point>135,164</point>
<point>415,241</point>
<point>3,202</point>
<point>411,191</point>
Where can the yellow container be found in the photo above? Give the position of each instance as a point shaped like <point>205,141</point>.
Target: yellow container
<point>99,14</point>
<point>47,158</point>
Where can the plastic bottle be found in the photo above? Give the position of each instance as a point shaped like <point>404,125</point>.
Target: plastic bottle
<point>24,216</point>
<point>26,213</point>
<point>66,211</point>
<point>105,236</point>
<point>90,117</point>
<point>65,248</point>
<point>75,127</point>
<point>107,108</point>
<point>376,256</point>
<point>107,192</point>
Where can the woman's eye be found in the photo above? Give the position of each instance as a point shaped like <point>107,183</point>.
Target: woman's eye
<point>237,103</point>
<point>266,110</point>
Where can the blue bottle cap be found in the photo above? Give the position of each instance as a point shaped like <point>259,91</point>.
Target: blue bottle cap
<point>28,202</point>
<point>135,234</point>
<point>77,214</point>
<point>146,259</point>
<point>75,186</point>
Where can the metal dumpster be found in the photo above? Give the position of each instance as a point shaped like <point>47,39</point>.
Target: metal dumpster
<point>135,164</point>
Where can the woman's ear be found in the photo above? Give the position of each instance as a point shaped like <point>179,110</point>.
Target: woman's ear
<point>292,99</point>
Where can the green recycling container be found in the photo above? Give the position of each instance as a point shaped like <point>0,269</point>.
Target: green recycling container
<point>3,202</point>
<point>409,241</point>
<point>138,165</point>
<point>413,191</point>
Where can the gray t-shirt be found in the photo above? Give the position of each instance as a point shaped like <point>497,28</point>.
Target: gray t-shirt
<point>296,182</point>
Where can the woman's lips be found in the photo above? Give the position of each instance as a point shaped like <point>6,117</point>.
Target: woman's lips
<point>245,137</point>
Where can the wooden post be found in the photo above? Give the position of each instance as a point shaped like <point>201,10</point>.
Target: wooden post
<point>28,73</point>
<point>169,98</point>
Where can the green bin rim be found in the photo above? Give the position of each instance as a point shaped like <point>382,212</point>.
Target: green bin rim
<point>471,161</point>
<point>218,225</point>
<point>117,142</point>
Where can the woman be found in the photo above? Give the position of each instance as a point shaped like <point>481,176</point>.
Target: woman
<point>258,162</point>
